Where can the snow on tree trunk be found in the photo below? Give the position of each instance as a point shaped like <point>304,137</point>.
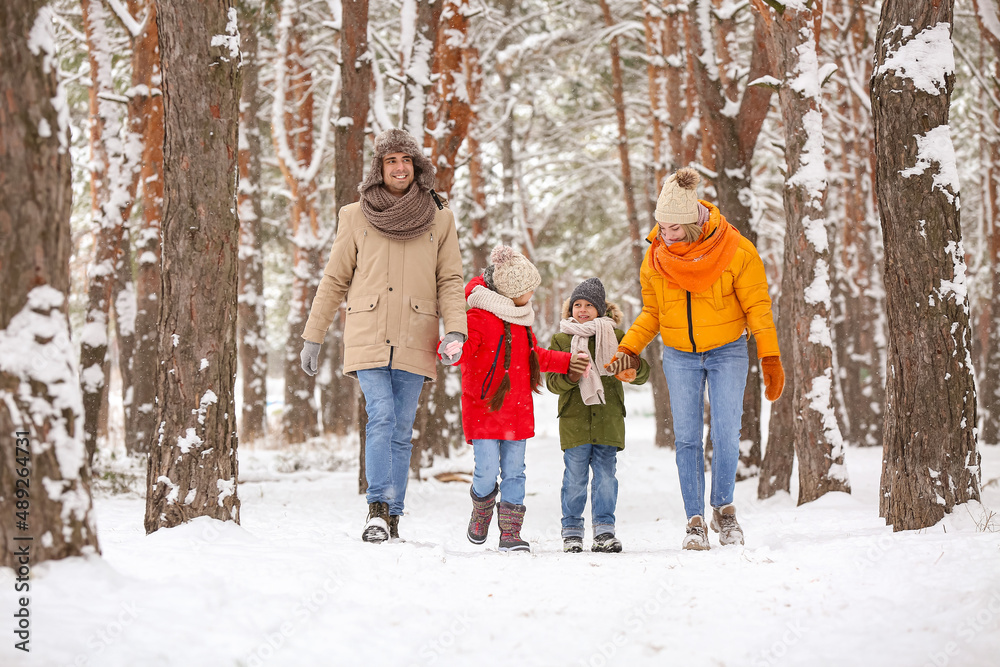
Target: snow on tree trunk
<point>859,322</point>
<point>930,460</point>
<point>114,157</point>
<point>819,444</point>
<point>147,121</point>
<point>300,155</point>
<point>988,15</point>
<point>138,364</point>
<point>419,21</point>
<point>192,467</point>
<point>45,502</point>
<point>252,329</point>
<point>732,123</point>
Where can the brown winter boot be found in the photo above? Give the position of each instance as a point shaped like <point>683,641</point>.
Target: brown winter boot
<point>725,524</point>
<point>377,526</point>
<point>482,515</point>
<point>696,537</point>
<point>510,517</point>
<point>393,526</point>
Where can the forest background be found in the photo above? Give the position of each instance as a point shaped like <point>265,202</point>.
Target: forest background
<point>552,125</point>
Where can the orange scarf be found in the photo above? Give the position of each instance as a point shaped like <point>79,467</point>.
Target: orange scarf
<point>695,266</point>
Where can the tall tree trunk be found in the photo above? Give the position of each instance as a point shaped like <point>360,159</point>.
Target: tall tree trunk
<point>292,128</point>
<point>819,446</point>
<point>45,501</point>
<point>192,467</point>
<point>987,12</point>
<point>113,175</point>
<point>779,455</point>
<point>252,330</point>
<point>147,122</point>
<point>349,165</point>
<point>930,460</point>
<point>732,125</point>
<point>417,62</point>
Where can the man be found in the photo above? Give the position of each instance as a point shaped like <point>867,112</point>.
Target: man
<point>397,261</point>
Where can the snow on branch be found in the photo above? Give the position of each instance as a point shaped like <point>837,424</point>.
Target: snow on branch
<point>134,27</point>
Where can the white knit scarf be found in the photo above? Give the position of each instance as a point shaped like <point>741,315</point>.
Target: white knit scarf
<point>501,306</point>
<point>605,346</point>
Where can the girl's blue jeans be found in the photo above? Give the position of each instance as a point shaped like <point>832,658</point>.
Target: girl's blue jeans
<point>504,458</point>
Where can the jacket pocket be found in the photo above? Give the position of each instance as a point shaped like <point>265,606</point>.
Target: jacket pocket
<point>361,325</point>
<point>423,325</point>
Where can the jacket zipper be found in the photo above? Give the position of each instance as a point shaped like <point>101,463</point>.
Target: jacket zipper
<point>694,346</point>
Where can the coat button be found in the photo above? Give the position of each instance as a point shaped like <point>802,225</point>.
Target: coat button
<point>371,305</point>
<point>386,341</point>
<point>390,289</point>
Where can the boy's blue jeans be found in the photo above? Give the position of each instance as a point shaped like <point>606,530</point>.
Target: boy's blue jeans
<point>724,370</point>
<point>391,397</point>
<point>504,458</point>
<point>603,493</point>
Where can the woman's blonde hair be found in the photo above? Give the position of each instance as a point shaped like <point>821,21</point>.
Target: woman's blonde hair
<point>691,232</point>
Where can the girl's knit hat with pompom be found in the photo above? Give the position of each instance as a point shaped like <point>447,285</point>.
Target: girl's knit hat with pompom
<point>511,274</point>
<point>678,201</point>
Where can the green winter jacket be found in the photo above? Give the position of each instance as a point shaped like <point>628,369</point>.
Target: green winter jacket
<point>581,424</point>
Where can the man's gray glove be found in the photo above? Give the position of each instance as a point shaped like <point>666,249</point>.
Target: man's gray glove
<point>310,357</point>
<point>450,347</point>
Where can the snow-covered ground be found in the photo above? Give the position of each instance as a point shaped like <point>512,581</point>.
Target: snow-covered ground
<point>823,584</point>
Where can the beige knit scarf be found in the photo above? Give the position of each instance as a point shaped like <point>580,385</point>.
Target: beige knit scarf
<point>501,306</point>
<point>399,218</point>
<point>605,346</point>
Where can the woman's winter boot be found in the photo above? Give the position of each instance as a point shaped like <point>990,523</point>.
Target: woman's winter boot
<point>377,527</point>
<point>510,517</point>
<point>482,515</point>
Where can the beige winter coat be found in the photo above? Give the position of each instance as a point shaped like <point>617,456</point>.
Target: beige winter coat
<point>396,291</point>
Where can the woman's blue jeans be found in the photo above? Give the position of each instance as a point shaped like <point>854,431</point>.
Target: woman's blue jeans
<point>391,397</point>
<point>724,370</point>
<point>603,492</point>
<point>499,457</point>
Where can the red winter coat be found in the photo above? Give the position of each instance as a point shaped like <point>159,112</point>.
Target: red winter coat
<point>516,418</point>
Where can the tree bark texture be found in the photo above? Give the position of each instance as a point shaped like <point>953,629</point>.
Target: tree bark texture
<point>792,38</point>
<point>44,472</point>
<point>930,460</point>
<point>251,318</point>
<point>989,358</point>
<point>113,178</point>
<point>293,129</point>
<point>416,64</point>
<point>192,467</point>
<point>146,114</point>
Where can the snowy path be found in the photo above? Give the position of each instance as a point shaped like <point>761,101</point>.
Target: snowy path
<point>825,584</point>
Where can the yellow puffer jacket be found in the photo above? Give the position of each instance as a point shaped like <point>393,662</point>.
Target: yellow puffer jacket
<point>738,300</point>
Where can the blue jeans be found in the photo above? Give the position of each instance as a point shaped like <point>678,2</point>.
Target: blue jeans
<point>603,493</point>
<point>725,371</point>
<point>499,457</point>
<point>391,397</point>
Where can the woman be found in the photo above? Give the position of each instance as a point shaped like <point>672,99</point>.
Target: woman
<point>703,286</point>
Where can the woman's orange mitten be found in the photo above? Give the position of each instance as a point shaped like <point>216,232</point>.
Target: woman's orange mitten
<point>774,377</point>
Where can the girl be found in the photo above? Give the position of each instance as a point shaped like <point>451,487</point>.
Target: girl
<point>703,286</point>
<point>501,365</point>
<point>591,416</point>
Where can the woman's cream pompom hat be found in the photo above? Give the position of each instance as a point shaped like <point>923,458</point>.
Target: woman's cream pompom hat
<point>678,202</point>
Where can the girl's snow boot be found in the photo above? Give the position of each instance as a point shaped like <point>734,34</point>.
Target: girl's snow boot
<point>482,515</point>
<point>510,517</point>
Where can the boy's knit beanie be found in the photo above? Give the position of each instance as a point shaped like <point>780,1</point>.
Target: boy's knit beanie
<point>678,202</point>
<point>591,290</point>
<point>513,274</point>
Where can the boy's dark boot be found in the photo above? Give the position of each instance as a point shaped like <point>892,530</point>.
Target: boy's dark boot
<point>377,527</point>
<point>393,526</point>
<point>482,515</point>
<point>510,517</point>
<point>573,544</point>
